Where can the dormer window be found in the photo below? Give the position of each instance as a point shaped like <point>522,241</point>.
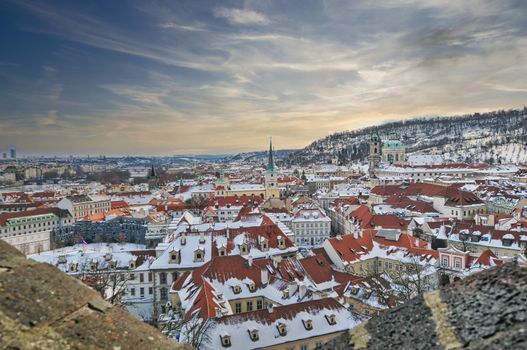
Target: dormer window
<point>225,340</point>
<point>73,267</point>
<point>308,324</point>
<point>331,319</point>
<point>285,294</point>
<point>254,334</point>
<point>199,255</point>
<point>113,264</point>
<point>507,240</point>
<point>282,329</point>
<point>236,289</point>
<point>354,290</point>
<point>108,257</point>
<point>62,259</point>
<point>244,249</point>
<point>252,287</point>
<point>131,264</point>
<point>281,242</point>
<point>94,265</point>
<point>174,257</point>
<point>264,245</point>
<point>222,251</point>
<point>183,240</point>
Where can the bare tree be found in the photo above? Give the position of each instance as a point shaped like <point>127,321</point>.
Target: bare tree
<point>194,331</point>
<point>108,281</point>
<point>414,279</point>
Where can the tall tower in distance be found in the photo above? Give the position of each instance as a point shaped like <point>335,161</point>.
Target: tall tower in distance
<point>374,157</point>
<point>12,152</point>
<point>271,187</point>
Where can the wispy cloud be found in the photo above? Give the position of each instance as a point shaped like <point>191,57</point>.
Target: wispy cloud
<point>242,16</point>
<point>187,28</point>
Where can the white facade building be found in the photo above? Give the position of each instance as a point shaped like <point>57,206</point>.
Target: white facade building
<point>311,226</point>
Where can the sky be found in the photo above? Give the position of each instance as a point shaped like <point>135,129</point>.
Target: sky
<point>194,77</point>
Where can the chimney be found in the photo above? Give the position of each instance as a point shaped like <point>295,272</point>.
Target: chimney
<point>250,261</point>
<point>292,287</point>
<point>275,262</point>
<point>202,237</point>
<point>302,291</point>
<point>264,275</point>
<point>270,307</point>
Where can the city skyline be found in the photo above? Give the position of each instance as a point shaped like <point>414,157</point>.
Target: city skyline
<point>157,78</point>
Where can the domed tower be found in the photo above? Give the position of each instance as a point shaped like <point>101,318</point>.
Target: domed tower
<point>393,150</point>
<point>374,157</point>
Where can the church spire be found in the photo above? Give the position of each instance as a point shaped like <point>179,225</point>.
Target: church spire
<point>270,162</point>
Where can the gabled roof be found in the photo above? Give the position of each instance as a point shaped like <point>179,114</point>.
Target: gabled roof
<point>487,258</point>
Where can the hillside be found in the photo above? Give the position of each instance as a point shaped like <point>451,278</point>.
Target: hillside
<point>258,156</point>
<point>498,136</point>
<point>43,308</point>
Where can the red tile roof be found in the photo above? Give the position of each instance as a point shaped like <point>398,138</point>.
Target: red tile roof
<point>20,214</point>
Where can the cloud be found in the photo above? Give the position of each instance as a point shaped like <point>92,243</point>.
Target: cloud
<point>242,16</point>
<point>187,28</point>
<point>184,81</point>
<point>49,119</point>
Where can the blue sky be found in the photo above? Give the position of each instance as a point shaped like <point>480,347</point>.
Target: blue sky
<point>175,77</point>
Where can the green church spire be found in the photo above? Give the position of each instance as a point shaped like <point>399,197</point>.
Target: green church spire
<point>270,162</point>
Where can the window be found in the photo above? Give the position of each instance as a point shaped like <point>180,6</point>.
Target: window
<point>444,261</point>
<point>132,276</point>
<point>163,294</point>
<point>331,319</point>
<point>457,263</point>
<point>237,308</point>
<point>308,324</point>
<point>150,290</point>
<point>141,278</point>
<point>282,329</point>
<point>150,277</point>
<point>132,291</point>
<point>225,341</point>
<point>163,278</point>
<point>303,347</point>
<point>142,291</point>
<point>249,306</point>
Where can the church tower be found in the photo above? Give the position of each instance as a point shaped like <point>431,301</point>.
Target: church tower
<point>271,187</point>
<point>374,157</point>
<point>153,179</point>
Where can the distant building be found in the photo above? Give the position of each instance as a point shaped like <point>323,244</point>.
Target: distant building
<point>393,150</point>
<point>12,152</point>
<point>82,205</point>
<point>30,231</point>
